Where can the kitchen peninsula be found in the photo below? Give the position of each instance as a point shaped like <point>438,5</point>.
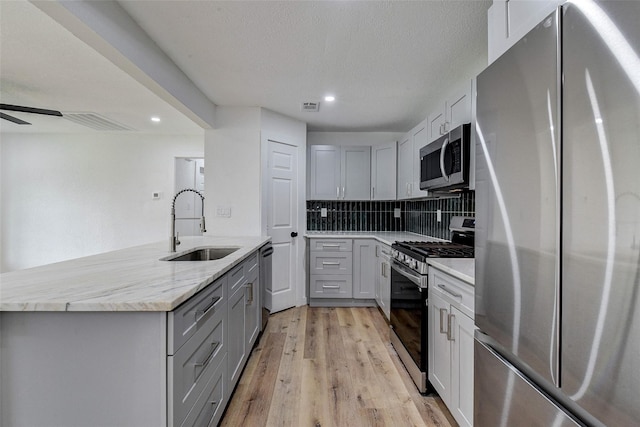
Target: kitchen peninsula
<point>125,338</point>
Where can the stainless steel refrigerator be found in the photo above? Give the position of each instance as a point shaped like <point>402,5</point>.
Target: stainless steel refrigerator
<point>558,223</point>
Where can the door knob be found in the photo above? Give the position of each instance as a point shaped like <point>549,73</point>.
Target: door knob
<point>294,234</point>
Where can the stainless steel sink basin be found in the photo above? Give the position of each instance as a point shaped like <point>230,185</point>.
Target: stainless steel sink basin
<point>202,254</point>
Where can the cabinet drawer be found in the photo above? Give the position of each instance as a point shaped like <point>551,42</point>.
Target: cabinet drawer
<point>331,262</point>
<point>191,367</point>
<point>336,286</point>
<point>458,293</point>
<point>210,405</point>
<point>330,245</point>
<point>189,317</point>
<point>251,265</point>
<point>236,278</point>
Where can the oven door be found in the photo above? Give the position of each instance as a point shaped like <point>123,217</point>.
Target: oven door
<point>409,312</point>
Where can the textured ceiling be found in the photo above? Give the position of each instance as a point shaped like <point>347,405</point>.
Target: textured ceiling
<point>43,65</point>
<point>387,63</point>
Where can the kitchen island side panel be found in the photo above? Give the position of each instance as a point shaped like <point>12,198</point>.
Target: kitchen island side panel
<point>83,368</point>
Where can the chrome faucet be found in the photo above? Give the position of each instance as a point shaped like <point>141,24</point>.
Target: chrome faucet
<point>174,236</point>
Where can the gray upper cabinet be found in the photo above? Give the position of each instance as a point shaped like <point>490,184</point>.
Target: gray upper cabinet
<point>454,111</point>
<point>325,172</point>
<point>340,173</point>
<point>409,162</point>
<point>405,166</point>
<point>420,138</point>
<point>355,171</point>
<point>510,20</point>
<point>383,171</point>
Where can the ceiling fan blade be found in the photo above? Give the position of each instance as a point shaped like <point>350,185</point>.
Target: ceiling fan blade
<point>22,109</point>
<point>13,119</point>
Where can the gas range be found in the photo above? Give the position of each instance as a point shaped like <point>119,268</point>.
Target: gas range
<point>415,254</point>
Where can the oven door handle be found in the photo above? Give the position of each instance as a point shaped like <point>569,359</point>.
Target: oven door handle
<point>403,271</point>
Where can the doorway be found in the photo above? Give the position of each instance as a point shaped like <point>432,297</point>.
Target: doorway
<point>189,173</point>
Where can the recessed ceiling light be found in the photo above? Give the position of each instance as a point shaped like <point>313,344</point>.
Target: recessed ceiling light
<point>155,119</point>
<point>329,98</point>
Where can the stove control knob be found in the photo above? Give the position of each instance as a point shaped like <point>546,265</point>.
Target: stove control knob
<point>413,264</point>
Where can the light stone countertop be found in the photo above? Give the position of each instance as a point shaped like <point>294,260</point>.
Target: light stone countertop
<point>132,279</point>
<point>462,268</point>
<point>386,237</point>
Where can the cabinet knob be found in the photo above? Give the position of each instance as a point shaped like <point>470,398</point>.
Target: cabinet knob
<point>294,234</point>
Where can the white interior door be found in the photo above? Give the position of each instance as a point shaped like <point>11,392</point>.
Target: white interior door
<point>282,223</point>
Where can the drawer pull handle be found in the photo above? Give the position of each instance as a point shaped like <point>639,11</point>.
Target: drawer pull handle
<point>203,312</point>
<point>443,312</point>
<point>330,263</point>
<point>449,291</point>
<point>330,286</point>
<point>205,362</point>
<point>331,245</point>
<point>250,297</point>
<point>213,402</point>
<point>450,319</point>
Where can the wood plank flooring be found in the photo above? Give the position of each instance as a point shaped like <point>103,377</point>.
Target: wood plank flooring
<point>329,367</point>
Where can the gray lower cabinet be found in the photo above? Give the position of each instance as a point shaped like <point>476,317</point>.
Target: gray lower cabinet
<point>226,317</point>
<point>130,369</point>
<point>237,341</point>
<point>364,268</point>
<point>243,314</point>
<point>342,272</point>
<point>191,366</point>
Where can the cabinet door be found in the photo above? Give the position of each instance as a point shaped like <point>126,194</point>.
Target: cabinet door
<point>420,139</point>
<point>378,275</point>
<point>458,108</point>
<point>405,166</point>
<point>252,310</point>
<point>385,285</point>
<point>364,268</point>
<point>439,347</point>
<point>383,172</point>
<point>325,172</point>
<point>462,368</point>
<point>435,124</point>
<point>510,20</point>
<point>236,338</point>
<point>355,173</point>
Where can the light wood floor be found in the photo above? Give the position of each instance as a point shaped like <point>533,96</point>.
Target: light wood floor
<point>329,367</point>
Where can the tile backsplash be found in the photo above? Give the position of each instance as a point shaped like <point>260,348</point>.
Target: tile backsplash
<point>354,216</point>
<point>417,216</point>
<point>422,216</point>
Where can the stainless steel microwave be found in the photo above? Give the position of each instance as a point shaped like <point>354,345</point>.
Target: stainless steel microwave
<point>444,163</point>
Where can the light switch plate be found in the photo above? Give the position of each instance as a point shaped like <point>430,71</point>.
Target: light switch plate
<point>439,215</point>
<point>223,212</point>
<point>396,212</point>
<point>323,212</point>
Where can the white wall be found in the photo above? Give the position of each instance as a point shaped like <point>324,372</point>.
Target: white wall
<point>232,176</point>
<point>234,166</point>
<point>65,196</point>
<point>352,138</point>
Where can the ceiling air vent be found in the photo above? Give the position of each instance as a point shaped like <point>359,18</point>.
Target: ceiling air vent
<point>95,121</point>
<point>310,107</point>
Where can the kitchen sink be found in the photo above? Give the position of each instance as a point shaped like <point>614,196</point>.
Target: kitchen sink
<point>202,254</point>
